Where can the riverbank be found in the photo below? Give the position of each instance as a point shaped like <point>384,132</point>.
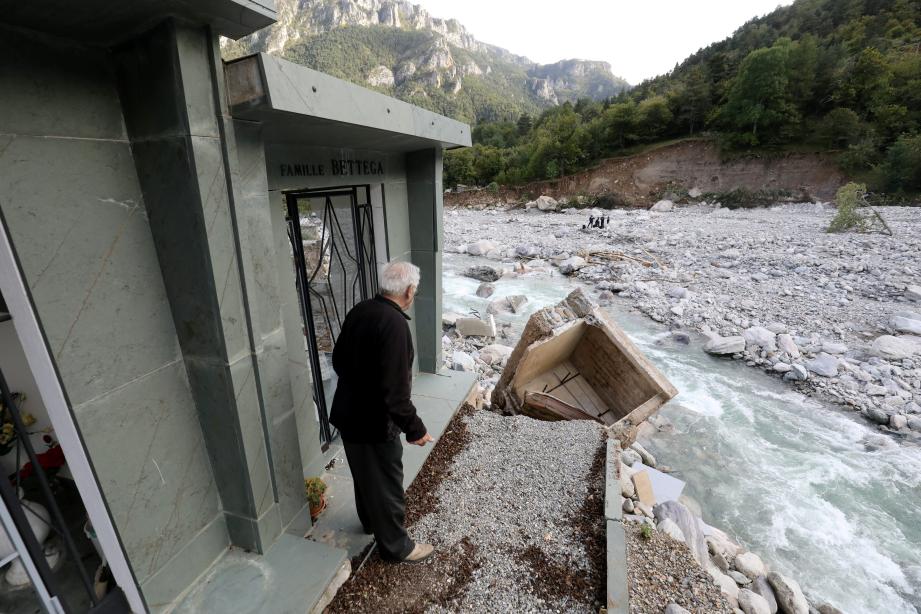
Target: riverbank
<point>834,315</point>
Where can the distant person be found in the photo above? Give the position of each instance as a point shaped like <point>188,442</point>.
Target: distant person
<point>373,358</point>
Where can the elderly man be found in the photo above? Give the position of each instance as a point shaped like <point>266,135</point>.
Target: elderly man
<point>373,358</point>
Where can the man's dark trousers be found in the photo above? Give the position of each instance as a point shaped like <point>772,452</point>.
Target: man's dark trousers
<point>377,472</point>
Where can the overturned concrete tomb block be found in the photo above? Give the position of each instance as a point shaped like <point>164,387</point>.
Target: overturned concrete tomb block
<point>574,363</point>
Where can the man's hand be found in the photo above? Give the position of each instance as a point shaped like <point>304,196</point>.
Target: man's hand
<point>421,442</point>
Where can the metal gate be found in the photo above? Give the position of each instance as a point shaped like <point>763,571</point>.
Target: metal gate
<point>332,240</point>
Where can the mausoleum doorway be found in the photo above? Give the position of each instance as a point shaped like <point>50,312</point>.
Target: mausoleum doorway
<point>335,254</point>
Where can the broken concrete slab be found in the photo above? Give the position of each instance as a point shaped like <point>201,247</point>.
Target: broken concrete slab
<point>643,488</point>
<point>664,487</point>
<point>475,327</point>
<point>449,318</point>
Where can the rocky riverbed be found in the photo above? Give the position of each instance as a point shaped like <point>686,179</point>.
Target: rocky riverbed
<point>834,315</point>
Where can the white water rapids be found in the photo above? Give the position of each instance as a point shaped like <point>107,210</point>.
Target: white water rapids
<point>790,478</point>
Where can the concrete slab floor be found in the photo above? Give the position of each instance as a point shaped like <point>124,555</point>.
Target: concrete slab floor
<point>290,578</point>
<point>437,398</point>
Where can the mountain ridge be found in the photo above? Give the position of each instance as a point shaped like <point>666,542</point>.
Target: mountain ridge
<point>402,50</point>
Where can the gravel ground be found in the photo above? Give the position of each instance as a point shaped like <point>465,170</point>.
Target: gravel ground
<point>661,571</point>
<point>725,272</point>
<point>514,507</point>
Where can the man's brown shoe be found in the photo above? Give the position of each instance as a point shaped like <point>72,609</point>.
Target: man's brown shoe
<point>419,553</point>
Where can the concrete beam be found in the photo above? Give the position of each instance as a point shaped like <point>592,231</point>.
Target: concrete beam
<point>166,86</point>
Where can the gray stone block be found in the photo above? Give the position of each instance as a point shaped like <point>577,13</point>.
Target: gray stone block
<point>613,506</point>
<point>618,601</point>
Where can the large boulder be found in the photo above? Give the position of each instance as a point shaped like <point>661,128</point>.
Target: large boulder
<point>896,348</point>
<point>671,529</point>
<point>507,304</point>
<point>485,290</point>
<point>645,455</point>
<point>913,293</point>
<point>527,251</point>
<point>797,373</point>
<point>877,415</point>
<point>725,345</point>
<point>571,265</point>
<point>727,585</point>
<point>750,564</point>
<point>691,527</point>
<point>790,598</point>
<point>762,587</point>
<point>720,543</point>
<point>753,603</point>
<point>461,361</point>
<point>786,344</point>
<point>761,337</point>
<point>547,203</point>
<point>824,364</point>
<point>495,353</point>
<point>543,203</point>
<point>483,272</point>
<point>481,247</point>
<point>905,323</point>
<point>663,205</point>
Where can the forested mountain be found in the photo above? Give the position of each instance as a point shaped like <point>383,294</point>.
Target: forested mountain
<point>398,48</point>
<point>839,75</point>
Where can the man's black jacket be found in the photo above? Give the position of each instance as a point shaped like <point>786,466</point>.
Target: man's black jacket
<point>373,358</point>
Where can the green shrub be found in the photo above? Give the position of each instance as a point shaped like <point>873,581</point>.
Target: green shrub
<point>849,200</point>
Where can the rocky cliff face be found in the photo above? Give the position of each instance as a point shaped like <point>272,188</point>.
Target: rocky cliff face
<point>407,52</point>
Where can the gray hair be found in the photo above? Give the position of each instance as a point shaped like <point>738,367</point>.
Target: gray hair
<point>397,276</point>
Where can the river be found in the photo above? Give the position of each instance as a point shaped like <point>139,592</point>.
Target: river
<point>791,478</point>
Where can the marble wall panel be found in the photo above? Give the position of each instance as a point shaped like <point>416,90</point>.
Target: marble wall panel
<point>152,464</point>
<point>57,90</point>
<point>84,241</point>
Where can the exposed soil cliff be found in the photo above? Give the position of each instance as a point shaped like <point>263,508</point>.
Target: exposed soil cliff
<point>640,179</point>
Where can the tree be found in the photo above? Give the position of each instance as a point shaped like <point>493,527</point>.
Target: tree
<point>694,101</point>
<point>653,117</point>
<point>840,128</point>
<point>524,124</point>
<point>458,167</point>
<point>801,71</point>
<point>901,169</point>
<point>758,110</point>
<point>864,84</point>
<point>558,137</point>
<point>620,124</point>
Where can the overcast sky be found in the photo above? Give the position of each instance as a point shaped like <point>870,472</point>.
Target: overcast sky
<point>640,38</point>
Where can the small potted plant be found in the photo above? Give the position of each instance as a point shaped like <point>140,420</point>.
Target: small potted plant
<point>316,497</point>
